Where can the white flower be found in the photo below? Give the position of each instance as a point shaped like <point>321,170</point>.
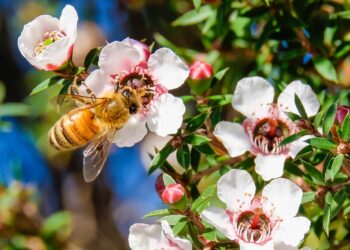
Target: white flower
<point>129,63</point>
<point>266,124</point>
<point>46,42</point>
<point>258,222</point>
<point>156,237</point>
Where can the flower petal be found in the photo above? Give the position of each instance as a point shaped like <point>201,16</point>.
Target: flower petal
<point>282,197</point>
<point>98,82</point>
<point>306,95</point>
<point>282,246</point>
<point>251,93</point>
<point>236,189</point>
<point>55,54</point>
<point>183,244</point>
<point>233,137</point>
<point>132,132</point>
<point>117,57</point>
<point>292,230</point>
<point>168,68</point>
<point>144,237</point>
<point>142,48</point>
<point>296,146</point>
<point>251,246</point>
<point>269,166</point>
<point>218,218</point>
<point>69,21</point>
<point>164,116</point>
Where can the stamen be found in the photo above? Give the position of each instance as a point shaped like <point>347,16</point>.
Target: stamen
<point>49,38</point>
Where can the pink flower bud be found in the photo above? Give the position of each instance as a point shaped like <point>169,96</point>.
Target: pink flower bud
<point>142,48</point>
<point>342,111</point>
<point>173,193</point>
<point>200,70</point>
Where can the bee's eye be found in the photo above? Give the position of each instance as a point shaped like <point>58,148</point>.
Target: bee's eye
<point>133,109</point>
<point>126,93</point>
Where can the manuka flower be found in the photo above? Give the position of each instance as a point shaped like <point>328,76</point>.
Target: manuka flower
<point>258,222</point>
<point>129,63</point>
<point>156,237</point>
<point>266,123</point>
<point>46,42</point>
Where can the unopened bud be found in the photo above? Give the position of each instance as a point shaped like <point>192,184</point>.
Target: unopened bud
<point>200,70</point>
<point>173,193</point>
<point>342,111</point>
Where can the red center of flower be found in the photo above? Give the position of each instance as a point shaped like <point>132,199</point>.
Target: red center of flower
<point>253,226</point>
<point>268,133</point>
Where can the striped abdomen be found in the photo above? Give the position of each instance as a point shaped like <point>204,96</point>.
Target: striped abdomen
<point>73,130</point>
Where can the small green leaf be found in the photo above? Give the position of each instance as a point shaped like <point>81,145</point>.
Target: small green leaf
<point>326,218</point>
<point>167,179</point>
<point>187,98</point>
<point>322,143</point>
<point>196,122</point>
<point>308,197</point>
<point>293,137</point>
<point>14,109</point>
<point>179,226</point>
<point>329,118</point>
<point>194,16</point>
<point>210,234</point>
<point>195,158</point>
<point>300,107</point>
<point>2,92</point>
<point>325,67</point>
<point>92,57</point>
<point>58,222</point>
<point>46,84</point>
<point>314,173</point>
<point>183,156</point>
<point>195,139</point>
<point>197,4</point>
<point>159,213</point>
<point>203,200</point>
<point>173,218</point>
<point>345,128</point>
<point>160,158</point>
<point>219,75</point>
<point>205,149</point>
<point>335,167</point>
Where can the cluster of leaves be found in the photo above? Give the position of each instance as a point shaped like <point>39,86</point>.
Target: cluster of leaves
<point>22,227</point>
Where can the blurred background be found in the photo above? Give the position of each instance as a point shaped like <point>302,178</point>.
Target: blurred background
<point>44,201</point>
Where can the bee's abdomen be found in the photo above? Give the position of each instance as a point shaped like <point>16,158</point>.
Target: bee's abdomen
<point>73,130</point>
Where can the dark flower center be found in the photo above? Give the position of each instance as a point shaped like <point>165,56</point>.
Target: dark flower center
<point>253,226</point>
<point>268,133</point>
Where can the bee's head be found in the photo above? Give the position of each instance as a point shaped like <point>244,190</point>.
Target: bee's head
<point>131,99</point>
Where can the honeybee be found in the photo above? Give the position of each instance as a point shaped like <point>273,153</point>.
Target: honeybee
<point>95,121</point>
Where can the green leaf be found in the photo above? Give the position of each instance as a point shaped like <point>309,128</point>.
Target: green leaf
<point>314,173</point>
<point>219,75</point>
<point>322,143</point>
<point>318,119</point>
<point>160,158</point>
<point>203,200</point>
<point>194,16</point>
<point>195,158</point>
<point>308,197</point>
<point>293,137</point>
<point>158,213</point>
<point>92,57</point>
<point>46,84</point>
<point>174,218</point>
<point>183,156</point>
<point>58,222</point>
<point>326,218</point>
<point>197,4</point>
<point>300,107</point>
<point>345,128</point>
<point>187,98</point>
<point>195,139</point>
<point>196,122</point>
<point>325,68</point>
<point>329,118</point>
<point>205,149</point>
<point>335,167</point>
<point>14,109</point>
<point>210,234</point>
<point>179,226</point>
<point>2,92</point>
<point>167,179</point>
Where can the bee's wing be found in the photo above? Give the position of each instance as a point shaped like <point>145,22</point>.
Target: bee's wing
<point>95,155</point>
<point>66,102</point>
